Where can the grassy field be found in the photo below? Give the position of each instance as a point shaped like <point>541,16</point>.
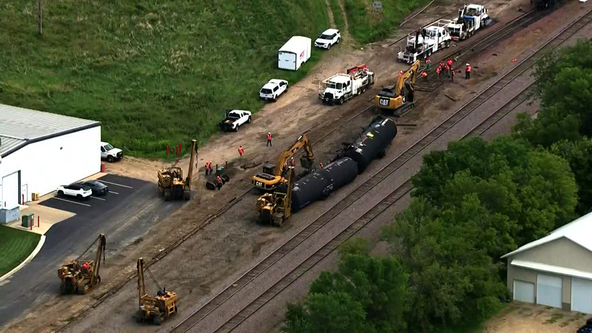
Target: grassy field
<point>338,15</point>
<point>153,72</point>
<point>15,247</point>
<point>367,24</point>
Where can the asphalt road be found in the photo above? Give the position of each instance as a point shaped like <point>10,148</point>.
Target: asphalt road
<point>132,207</point>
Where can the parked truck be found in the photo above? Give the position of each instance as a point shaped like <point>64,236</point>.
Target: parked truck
<point>425,41</point>
<point>470,19</point>
<point>341,87</point>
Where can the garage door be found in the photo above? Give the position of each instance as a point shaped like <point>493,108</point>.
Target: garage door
<point>549,290</point>
<point>10,190</point>
<point>523,291</point>
<point>581,295</point>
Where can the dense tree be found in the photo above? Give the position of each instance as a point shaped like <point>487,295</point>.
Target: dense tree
<point>564,86</point>
<point>451,275</point>
<point>533,191</point>
<point>372,288</point>
<point>579,156</point>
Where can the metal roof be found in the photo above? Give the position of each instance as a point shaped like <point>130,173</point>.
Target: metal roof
<point>577,231</point>
<point>19,126</point>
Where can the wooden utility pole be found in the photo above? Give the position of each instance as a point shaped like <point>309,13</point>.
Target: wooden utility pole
<point>40,24</point>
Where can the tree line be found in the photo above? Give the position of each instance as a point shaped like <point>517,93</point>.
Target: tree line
<point>471,204</point>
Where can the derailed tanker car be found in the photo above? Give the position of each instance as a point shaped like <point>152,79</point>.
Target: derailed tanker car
<point>372,144</point>
<point>319,184</point>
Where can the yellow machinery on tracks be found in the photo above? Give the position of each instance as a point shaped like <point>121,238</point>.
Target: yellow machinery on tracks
<point>79,276</point>
<point>275,208</point>
<point>171,182</point>
<point>400,97</point>
<point>158,308</point>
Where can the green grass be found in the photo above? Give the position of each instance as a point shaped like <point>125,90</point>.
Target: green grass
<point>155,73</point>
<point>367,24</point>
<point>338,15</point>
<point>15,247</point>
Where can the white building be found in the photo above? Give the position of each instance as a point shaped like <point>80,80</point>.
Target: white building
<point>555,270</point>
<point>40,151</point>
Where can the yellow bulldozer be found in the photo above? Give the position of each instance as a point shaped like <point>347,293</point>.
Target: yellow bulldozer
<point>171,182</point>
<point>400,97</point>
<point>80,275</point>
<point>275,208</point>
<point>271,176</point>
<point>158,308</point>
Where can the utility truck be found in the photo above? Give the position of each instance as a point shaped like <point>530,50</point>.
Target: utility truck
<point>470,19</point>
<point>341,87</point>
<point>425,41</point>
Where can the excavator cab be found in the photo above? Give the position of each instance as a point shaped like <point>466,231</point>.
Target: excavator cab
<point>401,96</point>
<point>275,208</point>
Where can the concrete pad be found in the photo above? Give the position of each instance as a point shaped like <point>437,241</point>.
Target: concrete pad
<point>46,216</point>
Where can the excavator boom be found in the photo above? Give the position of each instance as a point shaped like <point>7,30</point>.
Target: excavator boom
<point>402,93</point>
<point>269,179</point>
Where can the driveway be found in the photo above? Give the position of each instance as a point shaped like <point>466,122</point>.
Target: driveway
<point>123,215</point>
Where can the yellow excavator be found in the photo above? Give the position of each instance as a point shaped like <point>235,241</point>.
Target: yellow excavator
<point>275,208</point>
<point>80,275</point>
<point>399,97</point>
<point>271,176</point>
<point>158,308</point>
<point>170,180</point>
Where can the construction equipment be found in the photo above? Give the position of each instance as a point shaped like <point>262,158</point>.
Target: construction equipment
<point>158,308</point>
<point>275,208</point>
<point>400,97</point>
<point>425,41</point>
<point>171,182</point>
<point>340,87</point>
<point>82,275</point>
<point>470,19</point>
<point>271,176</point>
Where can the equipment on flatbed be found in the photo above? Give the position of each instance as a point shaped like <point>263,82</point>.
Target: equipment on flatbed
<point>81,275</point>
<point>470,19</point>
<point>275,208</point>
<point>158,308</point>
<point>341,87</point>
<point>425,41</point>
<point>171,182</point>
<point>271,176</point>
<point>400,97</point>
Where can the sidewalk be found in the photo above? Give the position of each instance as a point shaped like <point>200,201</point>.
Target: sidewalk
<point>46,216</point>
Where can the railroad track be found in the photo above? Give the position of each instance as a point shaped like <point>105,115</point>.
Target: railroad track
<point>376,210</point>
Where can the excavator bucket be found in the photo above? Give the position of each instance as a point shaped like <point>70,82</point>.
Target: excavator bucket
<point>305,162</point>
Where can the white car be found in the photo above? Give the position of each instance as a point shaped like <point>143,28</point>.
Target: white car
<point>273,89</point>
<point>110,153</point>
<point>79,191</point>
<point>234,119</point>
<point>328,38</point>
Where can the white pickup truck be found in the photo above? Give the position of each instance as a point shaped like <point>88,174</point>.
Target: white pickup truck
<point>234,119</point>
<point>110,153</point>
<point>426,41</point>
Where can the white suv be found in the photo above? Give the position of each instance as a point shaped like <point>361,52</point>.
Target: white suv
<point>273,89</point>
<point>79,191</point>
<point>328,38</point>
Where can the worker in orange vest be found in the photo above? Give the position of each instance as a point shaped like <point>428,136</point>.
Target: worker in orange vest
<point>447,69</point>
<point>241,150</point>
<point>207,168</point>
<point>269,139</point>
<point>468,71</point>
<point>218,182</point>
<point>292,161</point>
<point>442,63</point>
<point>400,73</point>
<point>427,62</point>
<point>86,266</point>
<point>450,62</point>
<point>451,74</point>
<point>439,71</point>
<point>424,74</point>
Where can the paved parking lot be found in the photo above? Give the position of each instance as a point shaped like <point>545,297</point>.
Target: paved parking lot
<point>120,188</point>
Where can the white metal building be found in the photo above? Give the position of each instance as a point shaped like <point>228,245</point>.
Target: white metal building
<point>40,151</point>
<point>555,270</point>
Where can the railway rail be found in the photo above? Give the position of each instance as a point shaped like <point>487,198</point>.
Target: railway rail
<point>289,277</point>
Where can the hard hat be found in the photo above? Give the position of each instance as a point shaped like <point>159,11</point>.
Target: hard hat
<point>468,64</point>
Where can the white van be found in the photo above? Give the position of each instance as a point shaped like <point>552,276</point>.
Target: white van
<point>294,53</point>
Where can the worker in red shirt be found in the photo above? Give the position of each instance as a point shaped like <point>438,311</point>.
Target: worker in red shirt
<point>218,182</point>
<point>241,150</point>
<point>427,62</point>
<point>468,70</point>
<point>269,139</point>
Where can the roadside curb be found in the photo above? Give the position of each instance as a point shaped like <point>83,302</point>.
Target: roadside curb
<point>26,261</point>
